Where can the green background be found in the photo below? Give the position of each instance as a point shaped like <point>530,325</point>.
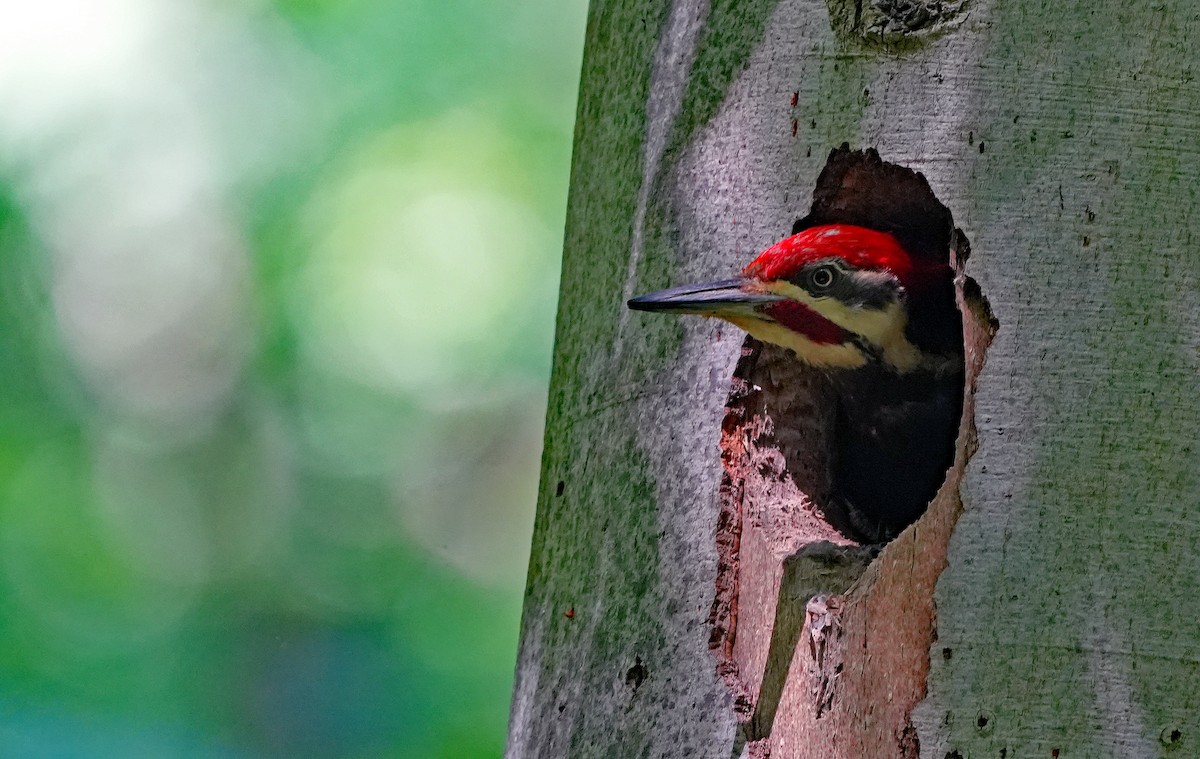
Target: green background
<point>277,292</point>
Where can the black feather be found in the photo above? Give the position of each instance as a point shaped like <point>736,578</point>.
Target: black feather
<point>893,442</point>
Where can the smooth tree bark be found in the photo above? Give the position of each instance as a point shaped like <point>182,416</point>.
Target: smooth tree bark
<point>681,600</point>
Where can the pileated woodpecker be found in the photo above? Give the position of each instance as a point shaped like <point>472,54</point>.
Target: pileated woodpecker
<point>882,320</point>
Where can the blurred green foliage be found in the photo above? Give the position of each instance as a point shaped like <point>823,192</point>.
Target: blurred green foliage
<point>277,289</point>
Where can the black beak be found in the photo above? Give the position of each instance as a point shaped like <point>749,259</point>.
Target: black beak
<point>709,298</point>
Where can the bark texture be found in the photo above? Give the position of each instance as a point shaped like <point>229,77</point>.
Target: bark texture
<point>1056,615</point>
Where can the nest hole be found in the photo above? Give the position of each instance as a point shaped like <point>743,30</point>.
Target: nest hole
<point>783,535</point>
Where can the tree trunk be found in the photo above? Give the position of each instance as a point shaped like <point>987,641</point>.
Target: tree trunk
<point>1047,604</point>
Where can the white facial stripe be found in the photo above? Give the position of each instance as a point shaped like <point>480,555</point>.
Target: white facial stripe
<point>875,278</point>
<point>840,356</point>
<point>883,328</point>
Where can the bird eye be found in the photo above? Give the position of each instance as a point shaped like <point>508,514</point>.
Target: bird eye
<point>822,277</point>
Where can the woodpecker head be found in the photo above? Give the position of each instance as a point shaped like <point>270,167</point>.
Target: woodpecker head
<point>839,296</point>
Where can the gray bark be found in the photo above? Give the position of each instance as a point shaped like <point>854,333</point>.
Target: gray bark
<point>1063,570</point>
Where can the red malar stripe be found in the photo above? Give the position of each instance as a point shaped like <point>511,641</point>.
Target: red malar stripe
<point>800,318</point>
